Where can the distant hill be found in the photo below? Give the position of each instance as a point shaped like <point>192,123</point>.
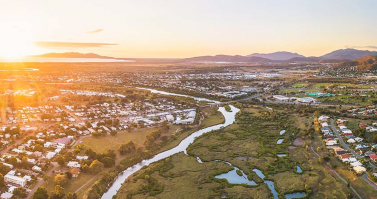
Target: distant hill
<point>367,63</point>
<point>279,56</point>
<point>303,59</point>
<point>72,55</point>
<point>228,58</point>
<point>348,54</point>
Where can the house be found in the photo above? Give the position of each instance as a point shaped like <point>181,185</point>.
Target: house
<point>72,164</point>
<point>36,168</point>
<point>345,157</point>
<point>357,163</point>
<point>331,142</point>
<point>323,118</point>
<point>346,131</point>
<point>11,178</point>
<point>75,172</point>
<point>6,195</point>
<point>50,155</point>
<point>170,118</point>
<point>351,141</point>
<point>373,158</point>
<point>81,157</point>
<point>339,151</point>
<point>359,169</point>
<point>8,165</point>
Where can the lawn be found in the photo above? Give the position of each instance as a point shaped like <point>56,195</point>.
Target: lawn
<point>76,183</point>
<point>296,90</point>
<point>298,85</point>
<point>319,85</point>
<point>138,136</point>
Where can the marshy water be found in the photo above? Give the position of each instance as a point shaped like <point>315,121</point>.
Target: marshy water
<point>280,141</point>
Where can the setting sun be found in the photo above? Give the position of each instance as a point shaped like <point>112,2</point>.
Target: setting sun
<point>14,43</point>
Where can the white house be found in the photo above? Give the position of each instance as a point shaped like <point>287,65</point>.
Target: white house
<point>72,164</point>
<point>359,169</point>
<point>11,178</point>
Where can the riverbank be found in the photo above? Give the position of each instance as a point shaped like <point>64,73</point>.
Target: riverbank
<point>248,144</point>
<point>229,119</point>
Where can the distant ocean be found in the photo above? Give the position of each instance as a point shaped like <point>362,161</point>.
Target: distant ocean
<point>70,60</point>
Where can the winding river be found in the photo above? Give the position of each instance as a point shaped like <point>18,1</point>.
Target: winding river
<point>229,119</point>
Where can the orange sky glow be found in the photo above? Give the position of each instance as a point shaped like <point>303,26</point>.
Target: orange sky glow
<point>178,29</point>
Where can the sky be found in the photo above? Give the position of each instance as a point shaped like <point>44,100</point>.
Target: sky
<point>181,28</point>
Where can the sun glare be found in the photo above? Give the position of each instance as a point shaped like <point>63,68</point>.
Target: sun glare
<point>14,43</point>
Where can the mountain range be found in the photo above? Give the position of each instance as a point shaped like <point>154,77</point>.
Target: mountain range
<point>367,63</point>
<point>71,55</point>
<point>279,56</point>
<point>336,56</point>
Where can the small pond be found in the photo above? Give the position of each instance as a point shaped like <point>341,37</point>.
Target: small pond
<point>282,132</point>
<point>298,168</point>
<point>234,178</point>
<point>199,160</point>
<point>280,141</point>
<point>282,155</point>
<point>295,195</point>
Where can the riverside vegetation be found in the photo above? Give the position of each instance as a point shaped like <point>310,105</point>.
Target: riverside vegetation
<point>250,143</point>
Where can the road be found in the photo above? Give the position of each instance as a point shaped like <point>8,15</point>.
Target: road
<point>346,146</point>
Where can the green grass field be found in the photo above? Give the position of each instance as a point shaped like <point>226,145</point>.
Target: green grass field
<point>298,85</point>
<point>138,136</point>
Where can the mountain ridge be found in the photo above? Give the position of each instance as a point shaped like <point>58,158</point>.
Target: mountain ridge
<point>72,55</point>
<point>368,63</point>
<point>278,56</point>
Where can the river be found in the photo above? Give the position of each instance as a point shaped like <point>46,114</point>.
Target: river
<point>230,117</point>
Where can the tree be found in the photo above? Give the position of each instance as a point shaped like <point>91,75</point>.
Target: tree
<point>20,192</point>
<point>2,184</point>
<point>113,133</point>
<point>85,168</point>
<point>108,162</point>
<point>60,161</point>
<point>68,175</point>
<point>41,193</point>
<point>96,166</point>
<point>96,134</point>
<point>60,179</point>
<point>58,193</point>
<point>126,148</point>
<point>4,169</point>
<point>71,196</point>
<point>374,139</point>
<point>13,161</point>
<point>38,147</point>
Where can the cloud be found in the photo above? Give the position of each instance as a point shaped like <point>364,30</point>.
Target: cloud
<point>54,44</point>
<point>370,47</point>
<point>94,31</point>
